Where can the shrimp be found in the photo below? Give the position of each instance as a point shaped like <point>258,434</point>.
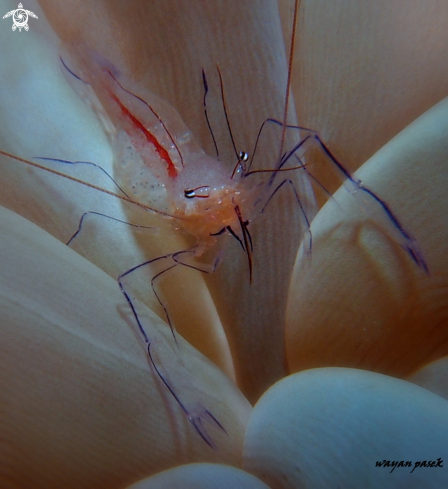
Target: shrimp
<point>194,190</point>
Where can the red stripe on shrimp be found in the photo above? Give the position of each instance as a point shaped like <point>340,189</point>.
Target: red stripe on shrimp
<point>161,151</point>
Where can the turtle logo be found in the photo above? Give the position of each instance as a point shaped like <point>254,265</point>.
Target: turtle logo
<point>20,18</point>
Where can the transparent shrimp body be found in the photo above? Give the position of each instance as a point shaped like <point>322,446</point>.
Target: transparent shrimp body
<point>158,162</point>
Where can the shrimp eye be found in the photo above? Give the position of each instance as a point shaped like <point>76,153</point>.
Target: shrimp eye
<point>199,192</point>
<point>243,156</point>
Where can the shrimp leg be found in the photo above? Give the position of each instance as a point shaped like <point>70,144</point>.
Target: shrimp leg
<point>310,138</point>
<point>86,163</point>
<point>196,414</point>
<point>306,221</point>
<point>94,213</point>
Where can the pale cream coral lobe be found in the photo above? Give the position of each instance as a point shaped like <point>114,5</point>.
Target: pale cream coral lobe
<point>329,427</point>
<point>360,301</point>
<point>201,476</point>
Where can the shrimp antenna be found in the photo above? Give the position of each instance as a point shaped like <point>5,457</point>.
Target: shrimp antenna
<point>224,106</point>
<point>288,81</point>
<point>205,83</point>
<point>81,182</point>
